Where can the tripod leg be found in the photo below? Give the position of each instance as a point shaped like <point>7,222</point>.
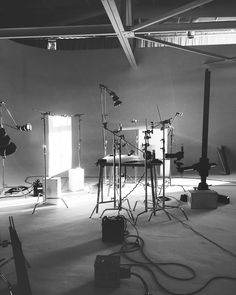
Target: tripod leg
<point>64,202</point>
<point>168,215</point>
<point>159,209</point>
<point>185,215</point>
<point>2,276</point>
<point>128,203</point>
<point>99,188</point>
<point>151,215</point>
<point>138,216</point>
<point>35,207</point>
<point>153,191</point>
<point>130,215</point>
<point>135,205</point>
<point>95,208</point>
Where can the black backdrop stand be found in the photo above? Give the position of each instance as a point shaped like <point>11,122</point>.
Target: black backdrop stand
<point>45,197</point>
<point>203,166</point>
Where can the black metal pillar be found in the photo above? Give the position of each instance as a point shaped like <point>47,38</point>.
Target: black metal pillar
<point>204,161</point>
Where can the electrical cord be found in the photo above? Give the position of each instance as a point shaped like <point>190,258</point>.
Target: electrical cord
<point>159,200</point>
<point>203,236</point>
<point>157,265</point>
<point>129,247</point>
<point>135,227</point>
<point>133,187</point>
<point>140,246</point>
<point>143,281</point>
<point>10,192</point>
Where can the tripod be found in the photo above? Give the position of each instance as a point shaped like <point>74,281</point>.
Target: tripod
<point>117,143</point>
<point>147,164</point>
<point>45,198</point>
<point>172,155</point>
<point>164,207</point>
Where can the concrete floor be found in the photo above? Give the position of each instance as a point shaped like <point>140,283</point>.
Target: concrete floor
<point>61,244</point>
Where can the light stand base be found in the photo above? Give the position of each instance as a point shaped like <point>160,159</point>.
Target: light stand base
<point>202,199</point>
<point>52,195</point>
<point>165,208</point>
<point>46,203</point>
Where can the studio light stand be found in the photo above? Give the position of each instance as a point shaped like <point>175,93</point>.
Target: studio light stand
<point>79,138</point>
<point>104,90</point>
<point>147,157</point>
<point>6,146</point>
<point>171,135</point>
<point>45,198</point>
<point>103,96</point>
<point>165,207</point>
<point>170,155</point>
<point>117,143</point>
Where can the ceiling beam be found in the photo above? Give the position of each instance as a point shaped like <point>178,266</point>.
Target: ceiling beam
<point>184,48</point>
<point>113,14</point>
<point>57,31</point>
<point>107,30</point>
<point>179,27</point>
<point>231,59</point>
<point>170,14</point>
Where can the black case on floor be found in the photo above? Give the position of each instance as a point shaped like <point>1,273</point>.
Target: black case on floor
<point>113,229</point>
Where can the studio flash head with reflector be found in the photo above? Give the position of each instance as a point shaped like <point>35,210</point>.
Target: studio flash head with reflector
<point>26,127</point>
<point>6,147</point>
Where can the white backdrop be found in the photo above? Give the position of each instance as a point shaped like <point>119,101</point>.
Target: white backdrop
<point>59,144</point>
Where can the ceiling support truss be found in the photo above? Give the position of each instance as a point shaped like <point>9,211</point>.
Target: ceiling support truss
<point>170,14</point>
<point>115,19</point>
<point>185,48</point>
<point>126,32</point>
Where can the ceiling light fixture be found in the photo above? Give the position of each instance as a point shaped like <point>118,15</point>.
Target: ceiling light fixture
<point>52,44</point>
<point>191,34</point>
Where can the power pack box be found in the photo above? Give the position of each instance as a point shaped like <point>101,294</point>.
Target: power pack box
<point>113,229</point>
<point>202,199</point>
<point>107,271</point>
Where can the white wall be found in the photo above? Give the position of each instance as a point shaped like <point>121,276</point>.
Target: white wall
<point>35,80</point>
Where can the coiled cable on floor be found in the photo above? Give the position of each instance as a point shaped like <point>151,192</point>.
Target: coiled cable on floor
<point>137,244</point>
